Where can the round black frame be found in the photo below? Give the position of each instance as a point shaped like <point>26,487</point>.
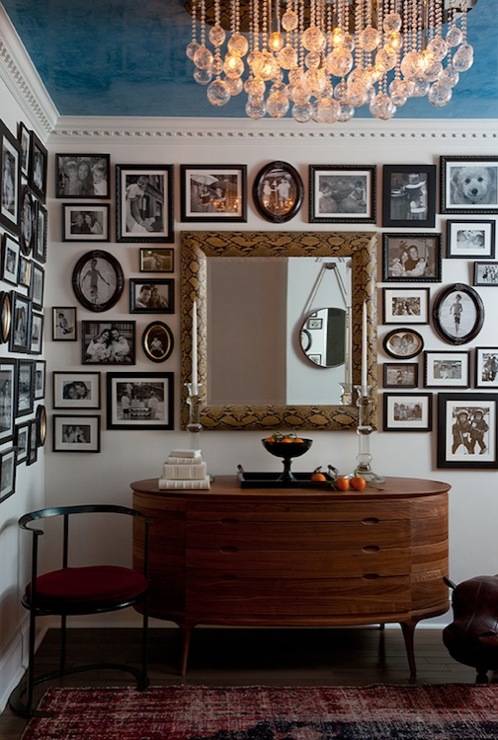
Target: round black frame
<point>479,306</point>
<point>171,341</point>
<point>292,172</point>
<point>120,280</point>
<point>402,330</point>
<point>27,249</point>
<point>5,317</point>
<point>41,426</point>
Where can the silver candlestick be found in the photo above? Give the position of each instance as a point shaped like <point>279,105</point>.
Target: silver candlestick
<point>364,400</point>
<point>194,425</point>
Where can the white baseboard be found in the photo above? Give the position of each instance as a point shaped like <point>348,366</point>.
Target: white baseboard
<point>13,661</point>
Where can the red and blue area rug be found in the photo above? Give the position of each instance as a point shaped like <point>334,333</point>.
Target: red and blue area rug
<point>456,712</point>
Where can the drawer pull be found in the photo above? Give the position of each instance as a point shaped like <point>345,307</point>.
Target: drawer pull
<point>229,549</point>
<point>229,521</point>
<point>370,520</point>
<point>371,576</point>
<point>371,548</point>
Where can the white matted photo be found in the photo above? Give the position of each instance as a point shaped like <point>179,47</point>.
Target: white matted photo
<point>446,369</point>
<point>10,260</point>
<point>407,412</point>
<point>72,390</point>
<point>213,193</point>
<point>87,222</point>
<point>76,433</point>
<point>486,274</point>
<point>64,324</point>
<point>486,367</point>
<point>469,184</point>
<point>140,401</point>
<point>467,430</point>
<point>21,441</point>
<point>40,378</point>
<point>470,239</point>
<point>10,179</point>
<point>7,399</point>
<point>7,473</point>
<point>406,305</point>
<point>145,203</point>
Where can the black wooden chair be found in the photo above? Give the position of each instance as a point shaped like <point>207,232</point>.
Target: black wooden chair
<point>78,591</point>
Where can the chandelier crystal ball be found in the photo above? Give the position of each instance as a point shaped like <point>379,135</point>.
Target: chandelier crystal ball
<point>323,59</point>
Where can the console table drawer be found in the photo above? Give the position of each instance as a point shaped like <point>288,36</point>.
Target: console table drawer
<point>298,512</point>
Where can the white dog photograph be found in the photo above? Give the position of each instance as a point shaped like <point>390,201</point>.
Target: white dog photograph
<point>469,185</point>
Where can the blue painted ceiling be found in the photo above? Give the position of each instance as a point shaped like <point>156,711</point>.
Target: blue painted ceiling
<point>127,57</point>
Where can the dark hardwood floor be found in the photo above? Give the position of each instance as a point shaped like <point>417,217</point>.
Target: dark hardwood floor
<point>231,657</point>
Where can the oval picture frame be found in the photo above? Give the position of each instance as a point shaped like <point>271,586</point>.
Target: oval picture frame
<point>5,317</point>
<point>78,277</point>
<point>269,175</point>
<point>157,330</point>
<point>443,296</point>
<point>41,426</point>
<point>402,332</point>
<point>27,239</point>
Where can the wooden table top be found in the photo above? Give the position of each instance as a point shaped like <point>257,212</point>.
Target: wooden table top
<point>226,486</point>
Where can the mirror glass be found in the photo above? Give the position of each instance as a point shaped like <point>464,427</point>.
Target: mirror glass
<point>258,312</point>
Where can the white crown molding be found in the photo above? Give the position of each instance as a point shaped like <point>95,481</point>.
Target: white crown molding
<point>201,130</point>
<point>19,74</point>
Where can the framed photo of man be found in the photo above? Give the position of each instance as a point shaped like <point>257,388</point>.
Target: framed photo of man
<point>409,196</point>
<point>37,168</point>
<point>144,203</point>
<point>10,179</point>
<point>140,401</point>
<point>83,176</point>
<point>467,430</point>
<point>153,295</point>
<point>411,258</point>
<point>458,313</point>
<point>213,193</point>
<point>98,280</point>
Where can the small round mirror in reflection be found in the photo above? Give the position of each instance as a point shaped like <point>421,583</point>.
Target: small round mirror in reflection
<point>323,337</point>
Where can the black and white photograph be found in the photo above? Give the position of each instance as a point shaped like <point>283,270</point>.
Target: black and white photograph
<point>64,324</point>
<point>88,222</point>
<point>24,278</point>
<point>157,259</point>
<point>278,192</point>
<point>7,473</point>
<point>76,433</point>
<point>8,379</point>
<point>156,295</point>
<point>314,324</point>
<point>407,412</point>
<point>446,369</point>
<point>40,242</point>
<point>73,390</point>
<point>342,194</point>
<point>36,288</point>
<point>467,430</point>
<point>157,341</point>
<point>10,260</point>
<point>25,393</point>
<point>28,222</point>
<point>486,367</point>
<point>108,342</point>
<point>458,313</point>
<point>409,196</point>
<point>400,375</point>
<point>411,258</point>
<point>24,139</point>
<point>486,274</point>
<point>21,441</point>
<point>213,192</point>
<point>403,344</point>
<point>37,170</point>
<point>470,239</point>
<point>469,185</point>
<point>20,335</point>
<point>406,305</point>
<point>98,281</point>
<point>32,443</point>
<point>140,401</point>
<point>144,203</point>
<point>10,179</point>
<point>83,176</point>
<point>37,324</point>
<point>40,379</point>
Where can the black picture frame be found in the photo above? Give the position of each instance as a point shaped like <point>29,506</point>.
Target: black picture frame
<point>479,381</point>
<point>22,447</point>
<point>78,277</point>
<point>277,169</point>
<point>427,171</point>
<point>60,402</point>
<point>27,221</point>
<point>405,319</point>
<point>35,294</point>
<point>40,385</point>
<point>345,197</point>
<point>138,307</point>
<point>154,332</point>
<point>4,454</point>
<point>389,273</point>
<point>36,346</point>
<point>463,436</point>
<point>8,407</point>
<point>78,420</point>
<point>478,279</point>
<point>24,139</point>
<point>5,317</point>
<point>141,235</point>
<point>157,259</point>
<point>166,378</point>
<point>85,189</point>
<point>386,427</point>
<point>32,447</point>
<point>86,209</point>
<point>37,166</point>
<point>399,367</point>
<point>41,421</point>
<point>187,213</point>
<point>456,186</point>
<point>10,272</point>
<point>442,296</point>
<point>25,395</point>
<point>10,152</point>
<point>24,275</point>
<point>387,343</point>
<point>451,223</point>
<point>20,342</point>
<point>102,352</point>
<point>63,333</point>
<point>41,238</point>
<point>465,383</point>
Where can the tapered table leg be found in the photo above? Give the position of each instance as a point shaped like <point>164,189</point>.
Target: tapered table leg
<point>408,629</point>
<point>186,633</point>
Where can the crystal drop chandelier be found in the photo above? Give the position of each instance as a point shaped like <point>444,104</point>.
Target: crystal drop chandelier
<point>323,59</point>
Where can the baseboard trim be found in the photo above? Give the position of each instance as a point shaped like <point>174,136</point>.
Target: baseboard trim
<point>16,645</point>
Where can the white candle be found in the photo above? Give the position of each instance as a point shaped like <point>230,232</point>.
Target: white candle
<point>195,385</point>
<point>364,352</point>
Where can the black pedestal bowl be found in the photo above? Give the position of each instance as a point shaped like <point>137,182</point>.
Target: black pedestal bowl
<point>286,451</point>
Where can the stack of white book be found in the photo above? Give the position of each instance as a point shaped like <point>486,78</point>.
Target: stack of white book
<point>185,469</point>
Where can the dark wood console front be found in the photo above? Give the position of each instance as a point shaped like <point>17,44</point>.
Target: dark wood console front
<point>300,557</point>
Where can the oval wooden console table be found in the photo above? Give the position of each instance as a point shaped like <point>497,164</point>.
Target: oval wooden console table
<point>296,557</point>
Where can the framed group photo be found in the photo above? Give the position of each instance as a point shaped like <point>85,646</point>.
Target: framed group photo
<point>406,305</point>
<point>213,193</point>
<point>409,196</point>
<point>342,194</point>
<point>411,258</point>
<point>76,390</point>
<point>467,430</point>
<point>144,203</point>
<point>407,412</point>
<point>85,222</point>
<point>485,274</point>
<point>486,367</point>
<point>83,176</point>
<point>108,342</point>
<point>76,433</point>
<point>458,313</point>
<point>446,369</point>
<point>140,401</point>
<point>152,295</point>
<point>400,375</point>
<point>470,239</point>
<point>278,192</point>
<point>403,344</point>
<point>10,179</point>
<point>98,281</point>
<point>469,184</point>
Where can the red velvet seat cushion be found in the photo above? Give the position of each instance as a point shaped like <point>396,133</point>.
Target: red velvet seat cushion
<point>101,584</point>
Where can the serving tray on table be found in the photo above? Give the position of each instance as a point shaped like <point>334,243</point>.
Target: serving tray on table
<point>274,480</point>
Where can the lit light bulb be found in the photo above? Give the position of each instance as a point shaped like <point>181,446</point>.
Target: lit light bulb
<point>276,41</point>
<point>233,66</point>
